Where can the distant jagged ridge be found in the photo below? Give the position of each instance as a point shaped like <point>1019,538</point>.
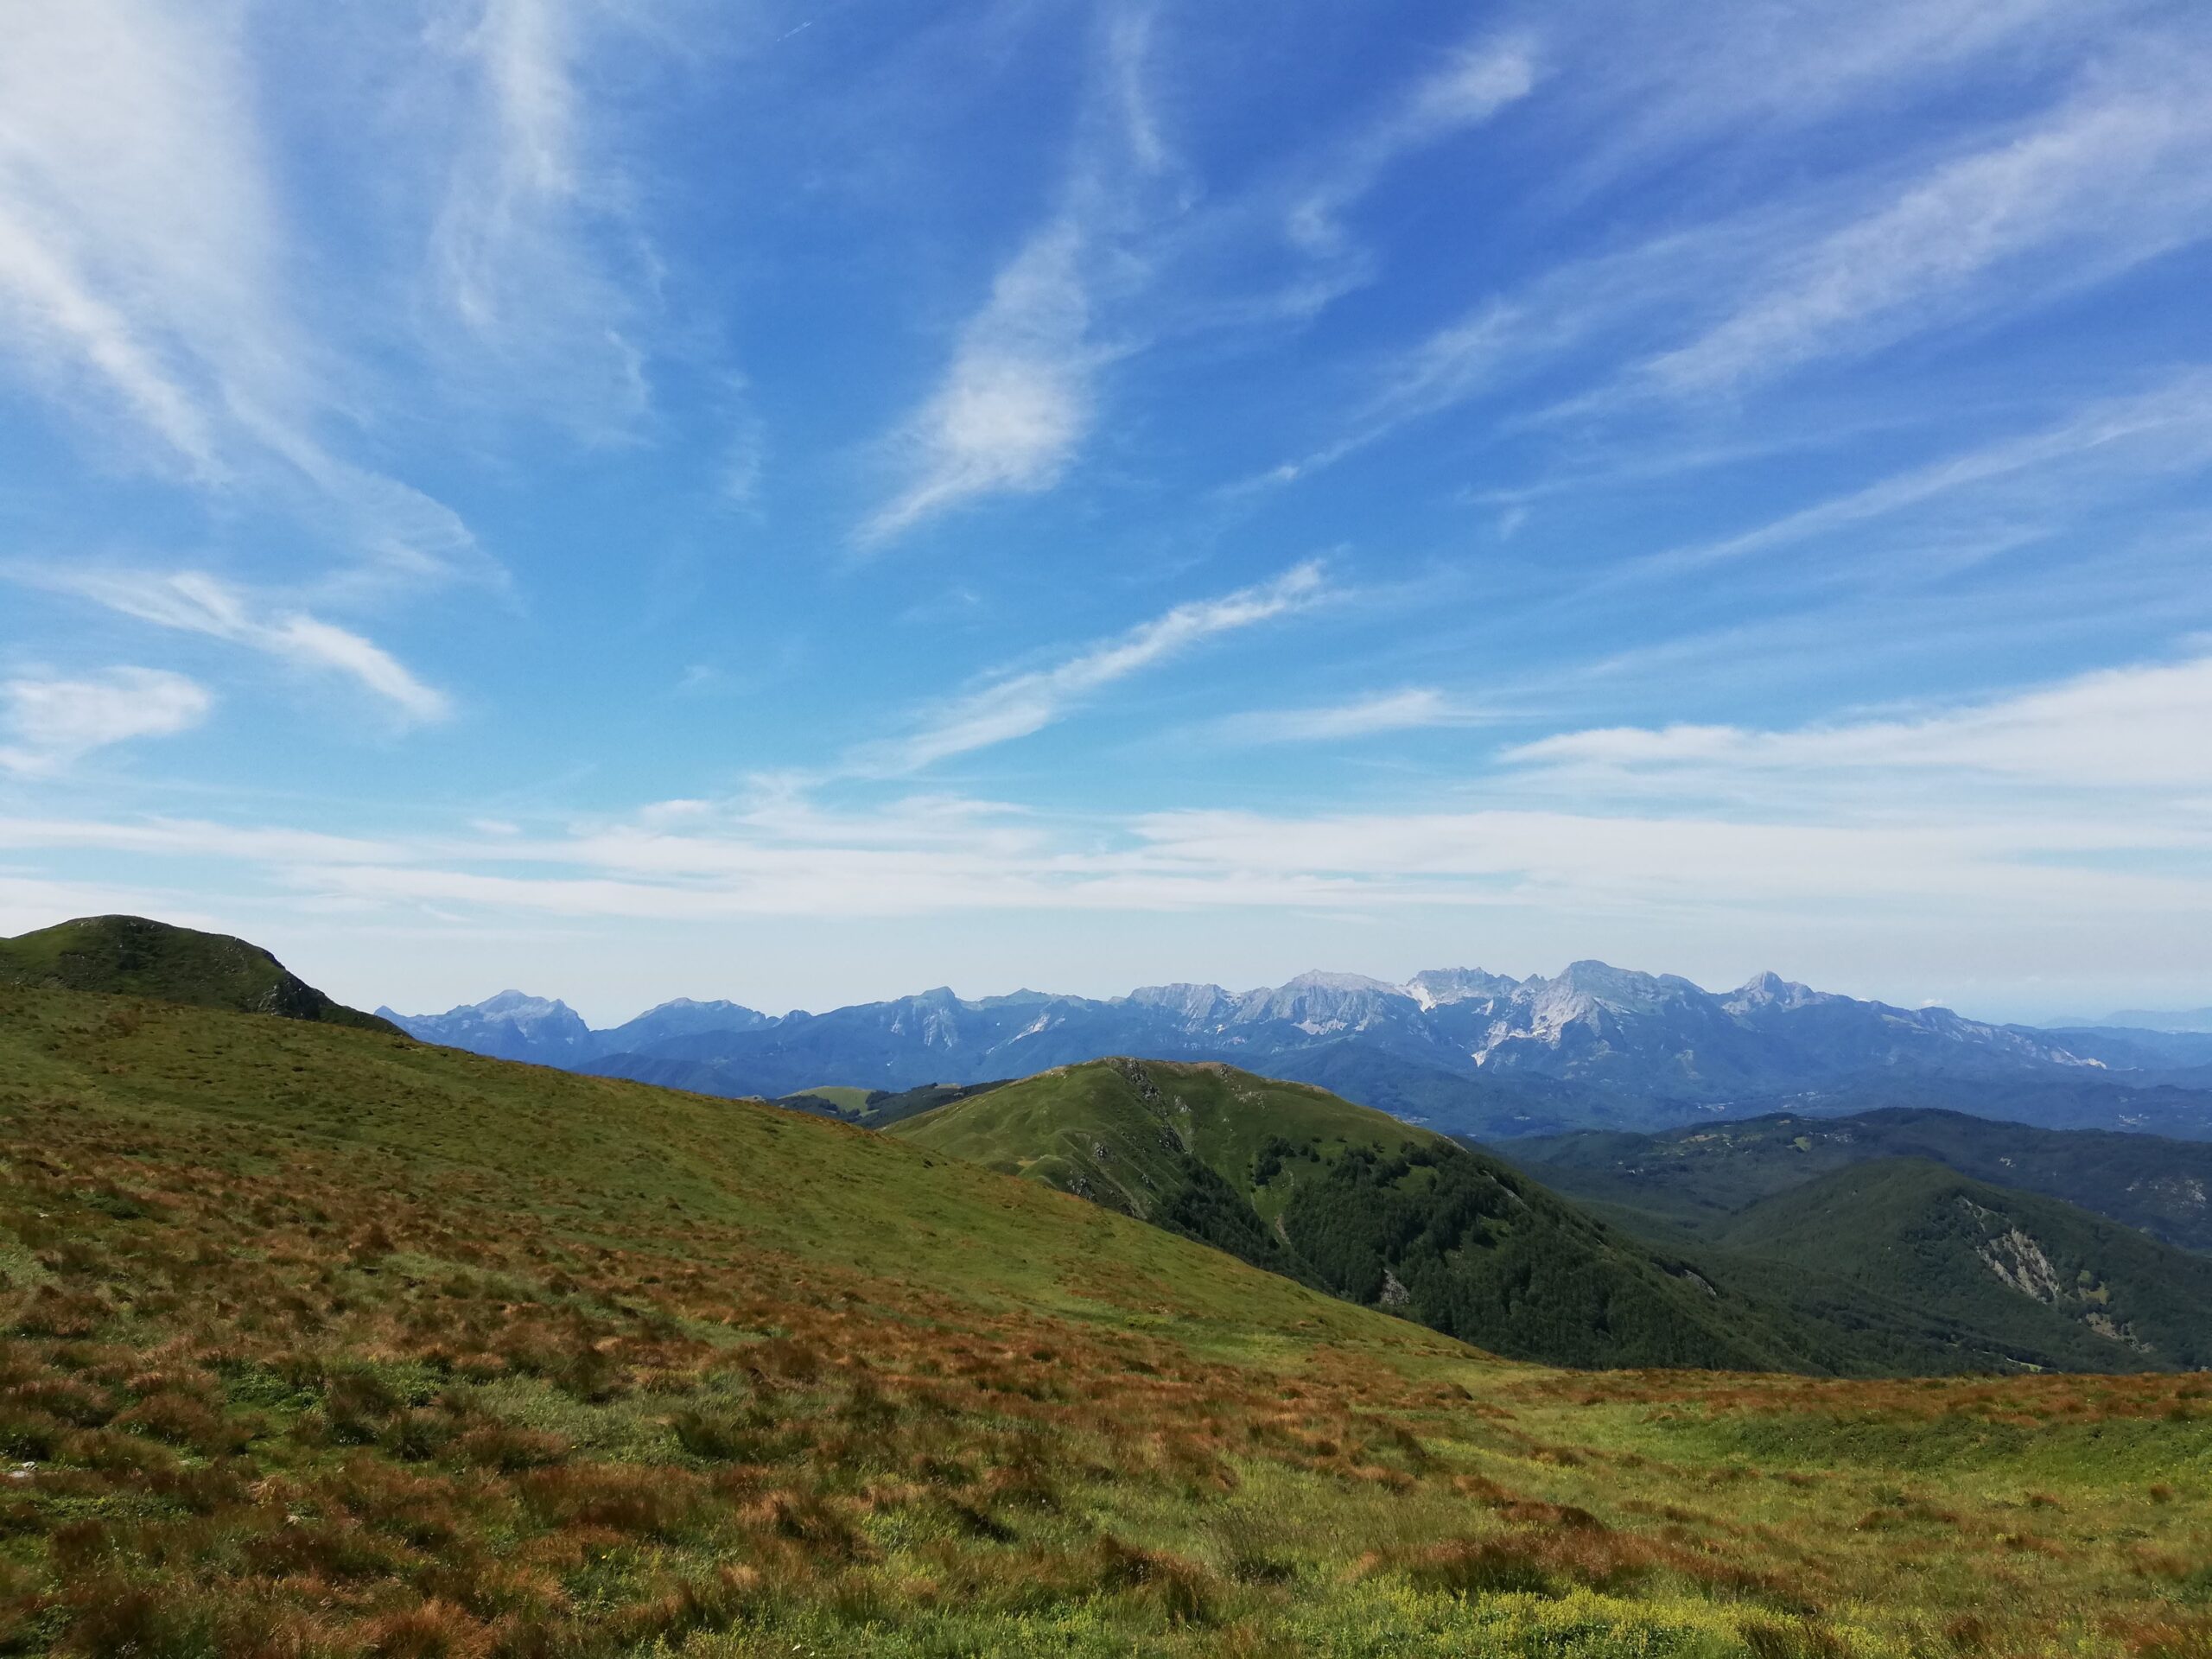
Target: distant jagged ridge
<point>131,956</point>
<point>1426,1048</point>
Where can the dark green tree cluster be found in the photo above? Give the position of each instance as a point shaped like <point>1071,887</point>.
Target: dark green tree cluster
<point>1441,1225</point>
<point>1208,1209</point>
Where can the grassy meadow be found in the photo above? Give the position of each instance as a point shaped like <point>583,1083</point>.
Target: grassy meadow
<point>322,1342</point>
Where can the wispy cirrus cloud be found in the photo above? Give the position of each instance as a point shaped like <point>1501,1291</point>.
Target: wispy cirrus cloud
<point>1020,704</point>
<point>137,240</point>
<point>1414,708</point>
<point>1020,397</point>
<point>2161,433</point>
<point>1476,82</point>
<point>198,838</point>
<point>2109,179</point>
<point>2098,182</point>
<point>51,722</point>
<point>147,274</point>
<point>1017,399</point>
<point>533,249</point>
<point>195,602</point>
<point>2139,728</point>
<point>1657,80</point>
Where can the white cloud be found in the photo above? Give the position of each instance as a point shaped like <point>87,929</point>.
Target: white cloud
<point>195,602</point>
<point>58,316</point>
<point>147,281</point>
<point>54,721</point>
<point>1023,704</point>
<point>2163,432</point>
<point>314,644</point>
<point>1415,708</point>
<point>1660,79</point>
<point>2081,805</point>
<point>1563,863</point>
<point>1474,83</point>
<point>1017,399</point>
<point>2141,728</point>
<point>1020,397</point>
<point>135,235</point>
<point>1572,860</point>
<point>1128,48</point>
<point>2114,178</point>
<point>197,838</point>
<point>532,236</point>
<point>2095,185</point>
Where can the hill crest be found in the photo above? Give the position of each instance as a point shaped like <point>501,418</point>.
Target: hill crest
<point>134,956</point>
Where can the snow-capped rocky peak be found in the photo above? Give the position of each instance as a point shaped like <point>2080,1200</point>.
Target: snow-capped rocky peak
<point>1617,987</point>
<point>1437,988</point>
<point>1769,990</point>
<point>1318,1002</point>
<point>933,1019</point>
<point>515,1007</point>
<point>512,1025</point>
<point>1351,984</point>
<point>1197,1004</point>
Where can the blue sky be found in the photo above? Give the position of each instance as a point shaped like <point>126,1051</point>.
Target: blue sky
<point>803,502</point>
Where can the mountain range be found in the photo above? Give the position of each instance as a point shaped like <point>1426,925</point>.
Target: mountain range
<point>1463,1051</point>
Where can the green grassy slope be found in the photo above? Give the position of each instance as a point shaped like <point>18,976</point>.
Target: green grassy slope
<point>1698,1178</point>
<point>836,1192</point>
<point>1291,1179</point>
<point>2047,1282</point>
<point>131,956</point>
<point>846,1099</point>
<point>314,1342</point>
<point>884,1108</point>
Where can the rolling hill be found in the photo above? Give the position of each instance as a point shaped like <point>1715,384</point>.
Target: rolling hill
<point>131,955</point>
<point>1291,1179</point>
<point>318,1340</point>
<point>1699,1178</point>
<point>1295,1180</point>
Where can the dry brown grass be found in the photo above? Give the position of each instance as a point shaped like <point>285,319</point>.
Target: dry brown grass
<point>281,1394</point>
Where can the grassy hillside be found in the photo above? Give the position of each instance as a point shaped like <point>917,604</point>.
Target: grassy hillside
<point>1291,1178</point>
<point>318,1342</point>
<point>132,956</point>
<point>846,1099</point>
<point>877,1108</point>
<point>884,1109</point>
<point>697,1077</point>
<point>1699,1178</point>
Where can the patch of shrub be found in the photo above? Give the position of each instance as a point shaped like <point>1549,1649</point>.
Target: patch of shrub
<point>1181,1591</point>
